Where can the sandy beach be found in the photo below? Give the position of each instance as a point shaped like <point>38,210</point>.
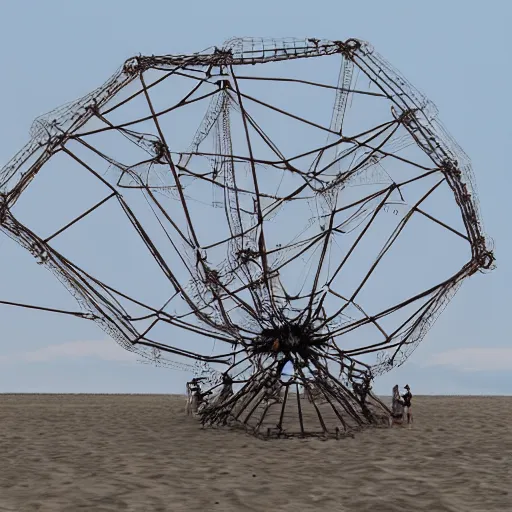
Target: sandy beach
<point>141,453</point>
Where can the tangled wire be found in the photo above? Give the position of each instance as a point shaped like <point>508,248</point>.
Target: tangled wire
<point>297,203</point>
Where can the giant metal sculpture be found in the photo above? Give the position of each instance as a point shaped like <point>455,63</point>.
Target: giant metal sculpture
<point>295,197</point>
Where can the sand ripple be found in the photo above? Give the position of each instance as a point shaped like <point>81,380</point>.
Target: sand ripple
<point>140,453</point>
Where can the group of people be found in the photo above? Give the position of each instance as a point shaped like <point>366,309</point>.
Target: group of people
<point>196,398</point>
<point>401,405</point>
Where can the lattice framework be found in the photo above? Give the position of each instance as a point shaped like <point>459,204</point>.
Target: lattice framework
<point>231,290</point>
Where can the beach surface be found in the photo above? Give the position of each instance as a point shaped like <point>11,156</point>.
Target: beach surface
<point>103,453</point>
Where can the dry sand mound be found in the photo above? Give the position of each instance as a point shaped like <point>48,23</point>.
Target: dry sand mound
<point>141,453</point>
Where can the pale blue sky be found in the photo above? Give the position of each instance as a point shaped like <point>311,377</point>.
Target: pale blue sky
<point>456,52</point>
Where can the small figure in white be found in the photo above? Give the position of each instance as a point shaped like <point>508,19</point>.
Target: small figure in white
<point>273,388</point>
<point>397,407</point>
<point>194,397</point>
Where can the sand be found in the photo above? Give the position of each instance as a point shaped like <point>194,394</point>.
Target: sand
<point>141,453</point>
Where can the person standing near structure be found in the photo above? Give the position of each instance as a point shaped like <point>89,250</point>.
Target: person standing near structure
<point>407,399</point>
